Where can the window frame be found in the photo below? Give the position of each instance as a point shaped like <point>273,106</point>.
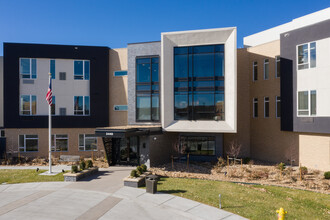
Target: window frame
<point>30,73</point>
<point>74,111</point>
<point>31,109</point>
<point>309,56</point>
<point>84,146</point>
<point>209,138</point>
<point>277,62</point>
<point>255,64</point>
<point>266,62</point>
<point>277,100</point>
<point>54,138</point>
<point>309,103</point>
<point>148,93</point>
<point>266,102</point>
<point>25,138</point>
<point>84,70</point>
<point>255,101</point>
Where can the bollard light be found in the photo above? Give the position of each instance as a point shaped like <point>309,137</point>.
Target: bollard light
<point>220,201</point>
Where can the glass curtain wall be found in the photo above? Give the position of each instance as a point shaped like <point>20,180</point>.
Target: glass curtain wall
<point>199,83</point>
<point>147,89</point>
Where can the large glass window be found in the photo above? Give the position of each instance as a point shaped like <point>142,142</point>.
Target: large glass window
<point>28,105</point>
<point>28,143</point>
<point>87,142</point>
<point>266,107</point>
<point>198,145</point>
<point>81,105</point>
<point>303,108</point>
<point>147,89</point>
<point>313,102</point>
<point>81,69</point>
<point>28,68</point>
<point>53,109</point>
<point>60,142</point>
<point>306,56</point>
<point>199,83</point>
<point>255,71</point>
<point>266,69</point>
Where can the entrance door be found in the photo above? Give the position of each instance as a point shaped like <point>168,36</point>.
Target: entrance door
<point>126,150</point>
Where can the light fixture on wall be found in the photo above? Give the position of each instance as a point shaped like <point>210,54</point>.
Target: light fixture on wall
<point>155,138</point>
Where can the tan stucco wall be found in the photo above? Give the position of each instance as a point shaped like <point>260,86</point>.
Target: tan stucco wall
<point>243,111</point>
<point>1,92</point>
<point>315,151</point>
<point>73,141</point>
<point>268,142</point>
<point>117,86</point>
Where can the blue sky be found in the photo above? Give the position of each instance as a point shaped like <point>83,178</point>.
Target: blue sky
<point>116,23</point>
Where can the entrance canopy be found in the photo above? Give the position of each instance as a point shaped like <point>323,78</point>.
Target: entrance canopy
<point>128,130</point>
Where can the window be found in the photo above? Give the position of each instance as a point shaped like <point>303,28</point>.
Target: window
<point>198,145</point>
<point>28,105</point>
<point>52,68</point>
<point>199,73</point>
<point>306,56</point>
<point>81,69</point>
<point>278,106</point>
<point>53,109</point>
<point>255,71</point>
<point>120,73</point>
<point>2,133</point>
<point>28,143</point>
<point>81,105</point>
<point>120,108</point>
<point>28,68</point>
<point>266,69</point>
<point>278,66</point>
<point>266,107</point>
<point>147,89</point>
<point>255,107</point>
<point>87,142</point>
<point>60,142</point>
<point>307,103</point>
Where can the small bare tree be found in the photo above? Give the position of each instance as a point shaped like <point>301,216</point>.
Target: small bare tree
<point>234,149</point>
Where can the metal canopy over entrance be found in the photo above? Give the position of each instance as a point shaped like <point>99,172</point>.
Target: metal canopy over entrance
<point>121,143</point>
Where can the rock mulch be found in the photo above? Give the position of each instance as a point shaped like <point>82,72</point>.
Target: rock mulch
<point>248,173</point>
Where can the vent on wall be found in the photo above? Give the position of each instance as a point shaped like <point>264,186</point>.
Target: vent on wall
<point>62,75</point>
<point>62,111</point>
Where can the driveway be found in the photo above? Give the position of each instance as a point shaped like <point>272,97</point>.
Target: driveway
<point>101,197</point>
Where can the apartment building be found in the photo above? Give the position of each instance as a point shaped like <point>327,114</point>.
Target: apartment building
<point>192,90</point>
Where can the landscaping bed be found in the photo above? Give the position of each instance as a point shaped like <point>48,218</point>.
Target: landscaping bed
<point>137,178</point>
<point>248,173</point>
<point>73,177</point>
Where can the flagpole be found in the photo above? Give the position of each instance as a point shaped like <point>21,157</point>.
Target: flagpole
<point>50,132</point>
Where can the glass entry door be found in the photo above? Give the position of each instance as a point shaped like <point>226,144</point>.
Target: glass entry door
<point>127,150</point>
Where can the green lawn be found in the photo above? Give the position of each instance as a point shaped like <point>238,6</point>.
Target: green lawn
<point>253,202</point>
<point>26,176</point>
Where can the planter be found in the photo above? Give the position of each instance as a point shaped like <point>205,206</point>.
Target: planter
<point>73,177</point>
<point>136,181</point>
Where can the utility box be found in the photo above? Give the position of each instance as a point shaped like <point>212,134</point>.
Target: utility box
<point>151,184</point>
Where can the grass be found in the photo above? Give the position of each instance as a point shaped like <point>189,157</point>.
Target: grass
<point>27,176</point>
<point>250,201</point>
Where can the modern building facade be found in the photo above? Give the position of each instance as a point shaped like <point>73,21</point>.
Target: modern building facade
<point>192,91</point>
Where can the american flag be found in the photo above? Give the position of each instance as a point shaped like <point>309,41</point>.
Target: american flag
<point>49,96</point>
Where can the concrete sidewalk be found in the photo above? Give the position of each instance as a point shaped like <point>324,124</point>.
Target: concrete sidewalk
<point>101,197</point>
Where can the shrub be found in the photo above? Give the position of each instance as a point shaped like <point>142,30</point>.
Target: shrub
<point>303,170</point>
<point>134,173</point>
<point>327,175</point>
<point>144,167</point>
<point>89,163</point>
<point>74,169</point>
<point>246,160</point>
<point>139,170</point>
<point>82,165</point>
<point>281,166</point>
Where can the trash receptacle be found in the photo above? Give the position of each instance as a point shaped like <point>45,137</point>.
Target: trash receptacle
<point>151,184</point>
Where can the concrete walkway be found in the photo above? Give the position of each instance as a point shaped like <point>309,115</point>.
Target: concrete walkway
<point>101,197</point>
